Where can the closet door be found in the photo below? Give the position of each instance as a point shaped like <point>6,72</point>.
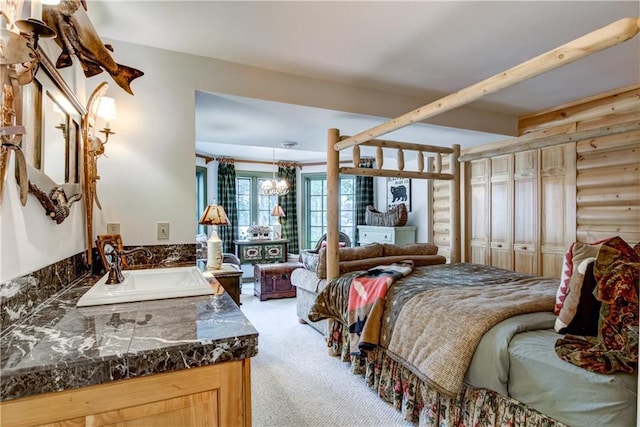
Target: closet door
<point>525,200</point>
<point>502,211</point>
<point>558,205</point>
<point>479,212</point>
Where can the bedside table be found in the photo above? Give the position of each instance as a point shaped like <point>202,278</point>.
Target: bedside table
<point>230,277</point>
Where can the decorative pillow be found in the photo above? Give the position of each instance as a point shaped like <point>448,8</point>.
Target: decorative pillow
<point>340,244</point>
<point>310,260</point>
<point>580,312</point>
<point>410,249</point>
<point>577,252</point>
<point>615,348</point>
<point>372,250</point>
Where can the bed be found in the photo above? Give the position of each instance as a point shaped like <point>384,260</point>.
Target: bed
<point>456,374</point>
<point>514,375</point>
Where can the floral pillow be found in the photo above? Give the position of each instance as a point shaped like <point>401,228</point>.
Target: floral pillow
<point>615,348</point>
<point>310,260</point>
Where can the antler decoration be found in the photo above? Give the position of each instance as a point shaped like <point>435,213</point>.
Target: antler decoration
<point>93,148</point>
<point>56,204</point>
<point>19,61</point>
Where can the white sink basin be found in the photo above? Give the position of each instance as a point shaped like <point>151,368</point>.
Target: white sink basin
<point>150,284</point>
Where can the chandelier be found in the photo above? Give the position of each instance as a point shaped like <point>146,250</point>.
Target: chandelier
<point>271,186</point>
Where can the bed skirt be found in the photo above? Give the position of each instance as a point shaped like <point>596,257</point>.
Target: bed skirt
<point>426,407</point>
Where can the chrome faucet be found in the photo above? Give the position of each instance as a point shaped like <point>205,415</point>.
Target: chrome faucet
<point>115,270</point>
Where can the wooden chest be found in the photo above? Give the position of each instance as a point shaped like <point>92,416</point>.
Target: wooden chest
<point>274,280</point>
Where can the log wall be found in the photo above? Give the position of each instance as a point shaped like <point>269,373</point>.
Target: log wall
<point>607,175</point>
<point>582,190</point>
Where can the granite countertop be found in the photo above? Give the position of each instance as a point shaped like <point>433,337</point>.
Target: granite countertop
<point>62,346</point>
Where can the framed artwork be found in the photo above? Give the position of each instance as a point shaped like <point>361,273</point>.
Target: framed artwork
<point>105,244</point>
<point>399,191</point>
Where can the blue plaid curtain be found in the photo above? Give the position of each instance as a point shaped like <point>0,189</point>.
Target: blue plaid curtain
<point>289,223</point>
<point>364,193</point>
<point>227,199</point>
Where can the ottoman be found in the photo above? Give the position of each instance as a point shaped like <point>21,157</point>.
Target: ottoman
<point>274,280</point>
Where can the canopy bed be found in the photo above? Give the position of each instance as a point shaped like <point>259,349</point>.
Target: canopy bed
<point>397,367</point>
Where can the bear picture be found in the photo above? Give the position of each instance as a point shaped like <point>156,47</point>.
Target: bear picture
<point>399,191</point>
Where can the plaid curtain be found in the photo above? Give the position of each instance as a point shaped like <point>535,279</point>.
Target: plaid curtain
<point>288,204</point>
<point>227,199</point>
<point>364,194</point>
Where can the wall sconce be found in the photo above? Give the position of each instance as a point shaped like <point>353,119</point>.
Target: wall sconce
<point>214,215</point>
<point>107,111</point>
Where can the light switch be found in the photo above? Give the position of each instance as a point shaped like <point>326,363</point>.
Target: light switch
<point>163,230</point>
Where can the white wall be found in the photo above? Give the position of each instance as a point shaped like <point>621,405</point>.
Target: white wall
<point>148,174</point>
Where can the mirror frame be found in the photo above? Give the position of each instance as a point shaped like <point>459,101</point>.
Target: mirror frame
<point>73,152</point>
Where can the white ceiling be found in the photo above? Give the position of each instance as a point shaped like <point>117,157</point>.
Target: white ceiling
<point>421,48</point>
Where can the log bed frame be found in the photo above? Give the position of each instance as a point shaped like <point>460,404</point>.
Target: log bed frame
<point>598,40</point>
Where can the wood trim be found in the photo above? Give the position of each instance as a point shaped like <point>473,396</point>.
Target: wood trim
<point>264,162</point>
<point>526,121</point>
<point>600,39</point>
<point>543,138</point>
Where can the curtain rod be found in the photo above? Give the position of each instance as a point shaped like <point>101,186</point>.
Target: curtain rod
<point>262,162</point>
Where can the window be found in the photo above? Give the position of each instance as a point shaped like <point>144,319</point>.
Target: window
<point>201,197</point>
<point>315,194</point>
<point>253,206</point>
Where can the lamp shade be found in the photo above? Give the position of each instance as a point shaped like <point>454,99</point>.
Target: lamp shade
<point>214,215</point>
<point>277,211</point>
<point>107,108</point>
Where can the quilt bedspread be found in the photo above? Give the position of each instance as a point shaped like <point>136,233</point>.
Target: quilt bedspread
<point>456,303</point>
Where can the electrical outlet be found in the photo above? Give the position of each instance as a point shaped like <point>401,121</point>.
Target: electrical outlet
<point>163,230</point>
<point>113,228</point>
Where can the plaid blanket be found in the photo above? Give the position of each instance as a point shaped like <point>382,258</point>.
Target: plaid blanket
<point>366,303</point>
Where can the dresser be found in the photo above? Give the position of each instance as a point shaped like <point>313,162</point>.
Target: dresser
<point>395,235</point>
<point>261,251</point>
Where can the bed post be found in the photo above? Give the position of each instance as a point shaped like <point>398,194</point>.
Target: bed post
<point>454,203</point>
<point>333,192</point>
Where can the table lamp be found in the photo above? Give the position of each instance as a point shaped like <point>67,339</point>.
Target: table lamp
<point>277,228</point>
<point>214,215</point>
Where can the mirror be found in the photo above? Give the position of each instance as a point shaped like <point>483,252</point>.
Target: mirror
<point>52,117</point>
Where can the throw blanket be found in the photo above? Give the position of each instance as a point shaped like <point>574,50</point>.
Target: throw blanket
<point>438,330</point>
<point>615,349</point>
<point>366,303</point>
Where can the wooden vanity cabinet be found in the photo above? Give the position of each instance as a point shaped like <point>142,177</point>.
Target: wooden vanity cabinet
<point>216,395</point>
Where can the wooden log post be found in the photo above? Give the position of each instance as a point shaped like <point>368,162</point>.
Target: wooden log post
<point>454,203</point>
<point>356,155</point>
<point>598,40</point>
<point>438,163</point>
<point>400,160</point>
<point>333,209</point>
<point>379,158</point>
<point>420,161</point>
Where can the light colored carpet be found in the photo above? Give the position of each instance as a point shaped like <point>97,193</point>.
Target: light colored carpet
<point>295,383</point>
